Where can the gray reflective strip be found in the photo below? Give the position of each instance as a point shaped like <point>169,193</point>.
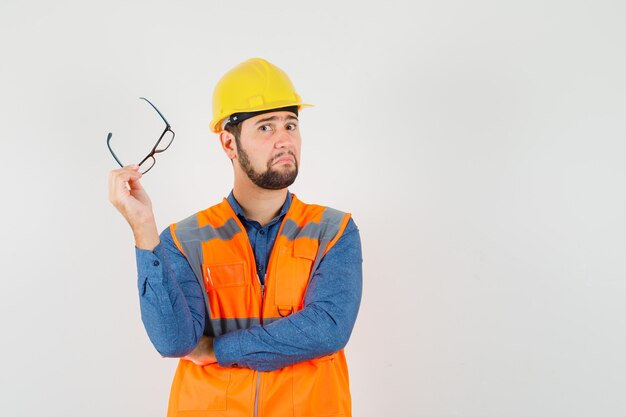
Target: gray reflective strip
<point>191,238</point>
<point>327,228</point>
<point>324,232</point>
<point>225,232</point>
<point>220,326</point>
<point>291,230</point>
<point>268,320</point>
<point>191,248</point>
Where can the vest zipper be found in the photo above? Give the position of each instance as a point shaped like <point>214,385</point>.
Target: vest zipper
<point>262,298</point>
<point>256,395</point>
<point>262,301</point>
<point>269,265</point>
<point>258,379</point>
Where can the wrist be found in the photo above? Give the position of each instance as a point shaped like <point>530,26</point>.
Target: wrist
<point>146,235</point>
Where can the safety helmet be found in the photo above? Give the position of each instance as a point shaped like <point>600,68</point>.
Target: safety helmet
<point>254,85</point>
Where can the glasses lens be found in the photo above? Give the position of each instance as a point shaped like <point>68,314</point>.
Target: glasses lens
<point>147,165</point>
<point>166,141</point>
<point>136,128</point>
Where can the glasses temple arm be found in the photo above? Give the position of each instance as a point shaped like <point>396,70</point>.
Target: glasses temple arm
<point>157,110</point>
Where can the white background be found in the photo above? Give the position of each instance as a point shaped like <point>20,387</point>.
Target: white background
<point>479,146</point>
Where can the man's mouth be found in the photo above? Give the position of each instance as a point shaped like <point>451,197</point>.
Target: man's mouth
<point>284,159</point>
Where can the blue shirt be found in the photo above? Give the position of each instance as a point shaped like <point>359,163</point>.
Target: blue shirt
<point>174,313</point>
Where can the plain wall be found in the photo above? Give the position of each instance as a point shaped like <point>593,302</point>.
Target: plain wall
<point>479,146</point>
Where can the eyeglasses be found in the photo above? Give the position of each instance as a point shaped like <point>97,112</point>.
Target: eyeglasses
<point>164,142</point>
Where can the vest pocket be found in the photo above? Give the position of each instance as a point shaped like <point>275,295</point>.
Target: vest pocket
<point>224,275</point>
<point>292,275</point>
<point>229,292</point>
<point>316,387</point>
<point>201,388</point>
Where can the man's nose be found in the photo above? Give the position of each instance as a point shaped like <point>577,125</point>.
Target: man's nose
<point>283,138</point>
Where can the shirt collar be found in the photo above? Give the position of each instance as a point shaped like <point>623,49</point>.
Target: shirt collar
<point>239,211</point>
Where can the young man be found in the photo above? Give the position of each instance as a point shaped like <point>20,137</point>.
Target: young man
<point>258,294</point>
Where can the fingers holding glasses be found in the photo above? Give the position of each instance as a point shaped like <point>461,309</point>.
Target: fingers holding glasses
<point>128,195</point>
<point>130,198</point>
<point>120,181</point>
<point>123,175</point>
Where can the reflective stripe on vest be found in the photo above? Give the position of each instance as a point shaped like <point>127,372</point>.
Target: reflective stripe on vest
<point>217,247</point>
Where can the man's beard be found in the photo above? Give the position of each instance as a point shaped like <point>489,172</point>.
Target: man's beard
<point>271,179</point>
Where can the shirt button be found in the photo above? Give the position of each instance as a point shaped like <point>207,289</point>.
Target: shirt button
<point>262,231</point>
<point>156,263</point>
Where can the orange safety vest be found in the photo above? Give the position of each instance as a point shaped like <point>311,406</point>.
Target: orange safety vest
<point>216,245</point>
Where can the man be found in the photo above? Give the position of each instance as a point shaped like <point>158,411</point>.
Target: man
<point>258,294</point>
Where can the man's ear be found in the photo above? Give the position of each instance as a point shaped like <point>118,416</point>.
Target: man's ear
<point>229,145</point>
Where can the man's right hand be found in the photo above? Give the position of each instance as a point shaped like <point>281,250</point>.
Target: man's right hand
<point>203,354</point>
<point>131,199</point>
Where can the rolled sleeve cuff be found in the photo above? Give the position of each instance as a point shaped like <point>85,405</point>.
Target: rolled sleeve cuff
<point>227,349</point>
<point>149,265</point>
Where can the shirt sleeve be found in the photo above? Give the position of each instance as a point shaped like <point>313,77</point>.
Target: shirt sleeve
<point>322,327</point>
<point>170,298</point>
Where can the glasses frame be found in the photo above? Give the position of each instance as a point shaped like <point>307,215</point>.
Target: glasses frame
<point>168,128</point>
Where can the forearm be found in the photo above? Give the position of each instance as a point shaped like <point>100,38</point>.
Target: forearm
<point>307,334</point>
<point>171,301</point>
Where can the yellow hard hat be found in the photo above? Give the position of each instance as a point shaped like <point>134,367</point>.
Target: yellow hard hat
<point>253,85</point>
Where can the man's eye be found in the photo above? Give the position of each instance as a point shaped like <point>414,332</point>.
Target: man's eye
<point>264,128</point>
<point>292,126</point>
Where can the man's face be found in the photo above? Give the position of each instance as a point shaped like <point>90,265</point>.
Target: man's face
<point>269,149</point>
